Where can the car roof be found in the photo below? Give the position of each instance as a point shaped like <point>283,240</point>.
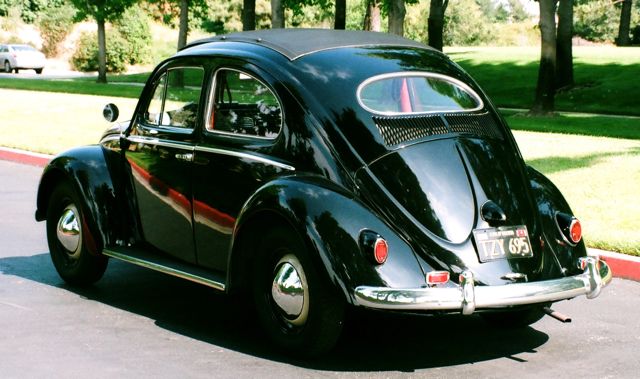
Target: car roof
<point>295,43</point>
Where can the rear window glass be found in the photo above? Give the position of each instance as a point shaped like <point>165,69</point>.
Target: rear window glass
<point>411,93</point>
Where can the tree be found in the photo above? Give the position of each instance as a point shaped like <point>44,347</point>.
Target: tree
<point>277,14</point>
<point>372,17</point>
<point>625,22</point>
<point>249,15</point>
<point>341,14</point>
<point>564,49</point>
<point>397,11</point>
<point>184,24</point>
<point>102,11</point>
<point>545,88</point>
<point>436,22</point>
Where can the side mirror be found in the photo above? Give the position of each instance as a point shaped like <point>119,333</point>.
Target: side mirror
<point>110,112</point>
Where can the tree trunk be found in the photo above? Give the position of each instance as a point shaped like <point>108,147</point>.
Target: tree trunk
<point>102,52</point>
<point>249,15</point>
<point>341,14</point>
<point>372,16</point>
<point>397,12</point>
<point>545,89</point>
<point>625,21</point>
<point>184,23</point>
<point>564,49</point>
<point>436,23</point>
<point>277,14</point>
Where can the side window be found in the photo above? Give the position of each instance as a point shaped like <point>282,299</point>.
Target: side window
<point>176,98</point>
<point>244,105</point>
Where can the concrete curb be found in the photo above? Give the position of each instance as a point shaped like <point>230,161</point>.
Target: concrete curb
<point>623,266</point>
<point>24,157</point>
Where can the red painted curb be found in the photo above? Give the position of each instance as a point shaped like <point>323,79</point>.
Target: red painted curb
<point>24,157</point>
<point>623,266</point>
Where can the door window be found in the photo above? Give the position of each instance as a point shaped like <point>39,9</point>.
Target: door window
<point>244,105</point>
<point>176,98</point>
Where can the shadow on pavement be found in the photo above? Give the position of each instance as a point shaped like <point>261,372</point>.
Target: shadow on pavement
<point>371,342</point>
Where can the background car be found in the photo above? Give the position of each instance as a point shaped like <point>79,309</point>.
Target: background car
<point>17,57</point>
<point>315,171</point>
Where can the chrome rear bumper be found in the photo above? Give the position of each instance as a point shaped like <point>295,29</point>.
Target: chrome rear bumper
<point>468,297</point>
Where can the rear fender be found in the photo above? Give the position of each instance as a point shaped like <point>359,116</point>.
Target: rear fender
<point>87,170</point>
<point>549,201</point>
<point>330,221</point>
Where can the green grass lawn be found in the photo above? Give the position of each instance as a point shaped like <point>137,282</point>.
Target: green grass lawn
<point>599,176</point>
<point>607,77</point>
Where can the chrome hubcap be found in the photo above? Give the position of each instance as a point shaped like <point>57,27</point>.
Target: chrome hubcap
<point>289,290</point>
<point>68,230</point>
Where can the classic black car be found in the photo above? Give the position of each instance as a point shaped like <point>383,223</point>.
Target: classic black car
<point>314,171</point>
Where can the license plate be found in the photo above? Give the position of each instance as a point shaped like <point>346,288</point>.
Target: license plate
<point>503,242</point>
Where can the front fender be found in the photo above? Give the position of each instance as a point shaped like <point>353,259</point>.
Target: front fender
<point>549,201</point>
<point>329,219</point>
<point>87,170</point>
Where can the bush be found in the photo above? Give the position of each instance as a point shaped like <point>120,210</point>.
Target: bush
<point>55,24</point>
<point>596,21</point>
<point>465,24</point>
<point>85,57</point>
<point>134,28</point>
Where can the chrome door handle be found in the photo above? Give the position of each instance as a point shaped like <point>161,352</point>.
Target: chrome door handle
<point>187,157</point>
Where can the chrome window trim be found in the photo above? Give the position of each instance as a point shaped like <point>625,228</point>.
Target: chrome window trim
<point>164,98</point>
<point>445,78</point>
<point>161,142</point>
<point>211,97</point>
<point>238,154</point>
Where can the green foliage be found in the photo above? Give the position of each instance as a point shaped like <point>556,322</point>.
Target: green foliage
<point>54,24</point>
<point>104,10</point>
<point>465,24</point>
<point>85,57</point>
<point>598,20</point>
<point>133,26</point>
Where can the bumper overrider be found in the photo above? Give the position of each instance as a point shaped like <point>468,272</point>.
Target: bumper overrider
<point>468,297</point>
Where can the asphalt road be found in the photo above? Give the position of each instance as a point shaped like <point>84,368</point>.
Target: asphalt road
<point>138,323</point>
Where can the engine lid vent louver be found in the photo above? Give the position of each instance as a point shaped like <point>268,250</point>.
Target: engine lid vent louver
<point>396,130</point>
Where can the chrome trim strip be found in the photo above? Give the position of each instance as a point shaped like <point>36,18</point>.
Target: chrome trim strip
<point>445,78</point>
<point>160,142</point>
<point>110,138</point>
<point>467,298</point>
<point>238,154</point>
<point>166,270</point>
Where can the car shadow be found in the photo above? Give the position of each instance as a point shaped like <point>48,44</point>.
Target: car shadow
<point>372,341</point>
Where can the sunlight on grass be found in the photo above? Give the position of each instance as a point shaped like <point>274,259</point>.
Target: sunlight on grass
<point>50,123</point>
<point>599,177</point>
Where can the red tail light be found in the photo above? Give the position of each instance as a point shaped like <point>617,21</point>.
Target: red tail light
<point>569,227</point>
<point>380,250</point>
<point>437,277</point>
<point>575,231</point>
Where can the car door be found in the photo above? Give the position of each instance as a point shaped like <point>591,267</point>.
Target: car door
<point>160,155</point>
<point>235,157</point>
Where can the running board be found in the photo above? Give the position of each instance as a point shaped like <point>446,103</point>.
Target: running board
<point>167,266</point>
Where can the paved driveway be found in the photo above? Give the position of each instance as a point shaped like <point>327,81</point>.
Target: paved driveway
<point>138,323</point>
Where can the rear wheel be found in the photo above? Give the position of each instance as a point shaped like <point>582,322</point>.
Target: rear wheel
<point>514,319</point>
<point>297,308</point>
<point>38,71</point>
<point>70,239</point>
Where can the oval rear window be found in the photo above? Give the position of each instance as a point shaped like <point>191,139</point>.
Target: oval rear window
<point>414,93</point>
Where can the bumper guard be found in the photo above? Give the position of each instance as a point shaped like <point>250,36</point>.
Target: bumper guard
<point>467,297</point>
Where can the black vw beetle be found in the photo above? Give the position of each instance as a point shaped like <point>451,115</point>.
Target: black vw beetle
<point>317,170</point>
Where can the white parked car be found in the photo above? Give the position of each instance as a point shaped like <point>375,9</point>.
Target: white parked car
<point>16,57</point>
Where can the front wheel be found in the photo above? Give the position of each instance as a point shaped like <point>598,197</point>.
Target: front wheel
<point>71,242</point>
<point>515,318</point>
<point>7,67</point>
<point>295,304</point>
<point>38,71</point>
